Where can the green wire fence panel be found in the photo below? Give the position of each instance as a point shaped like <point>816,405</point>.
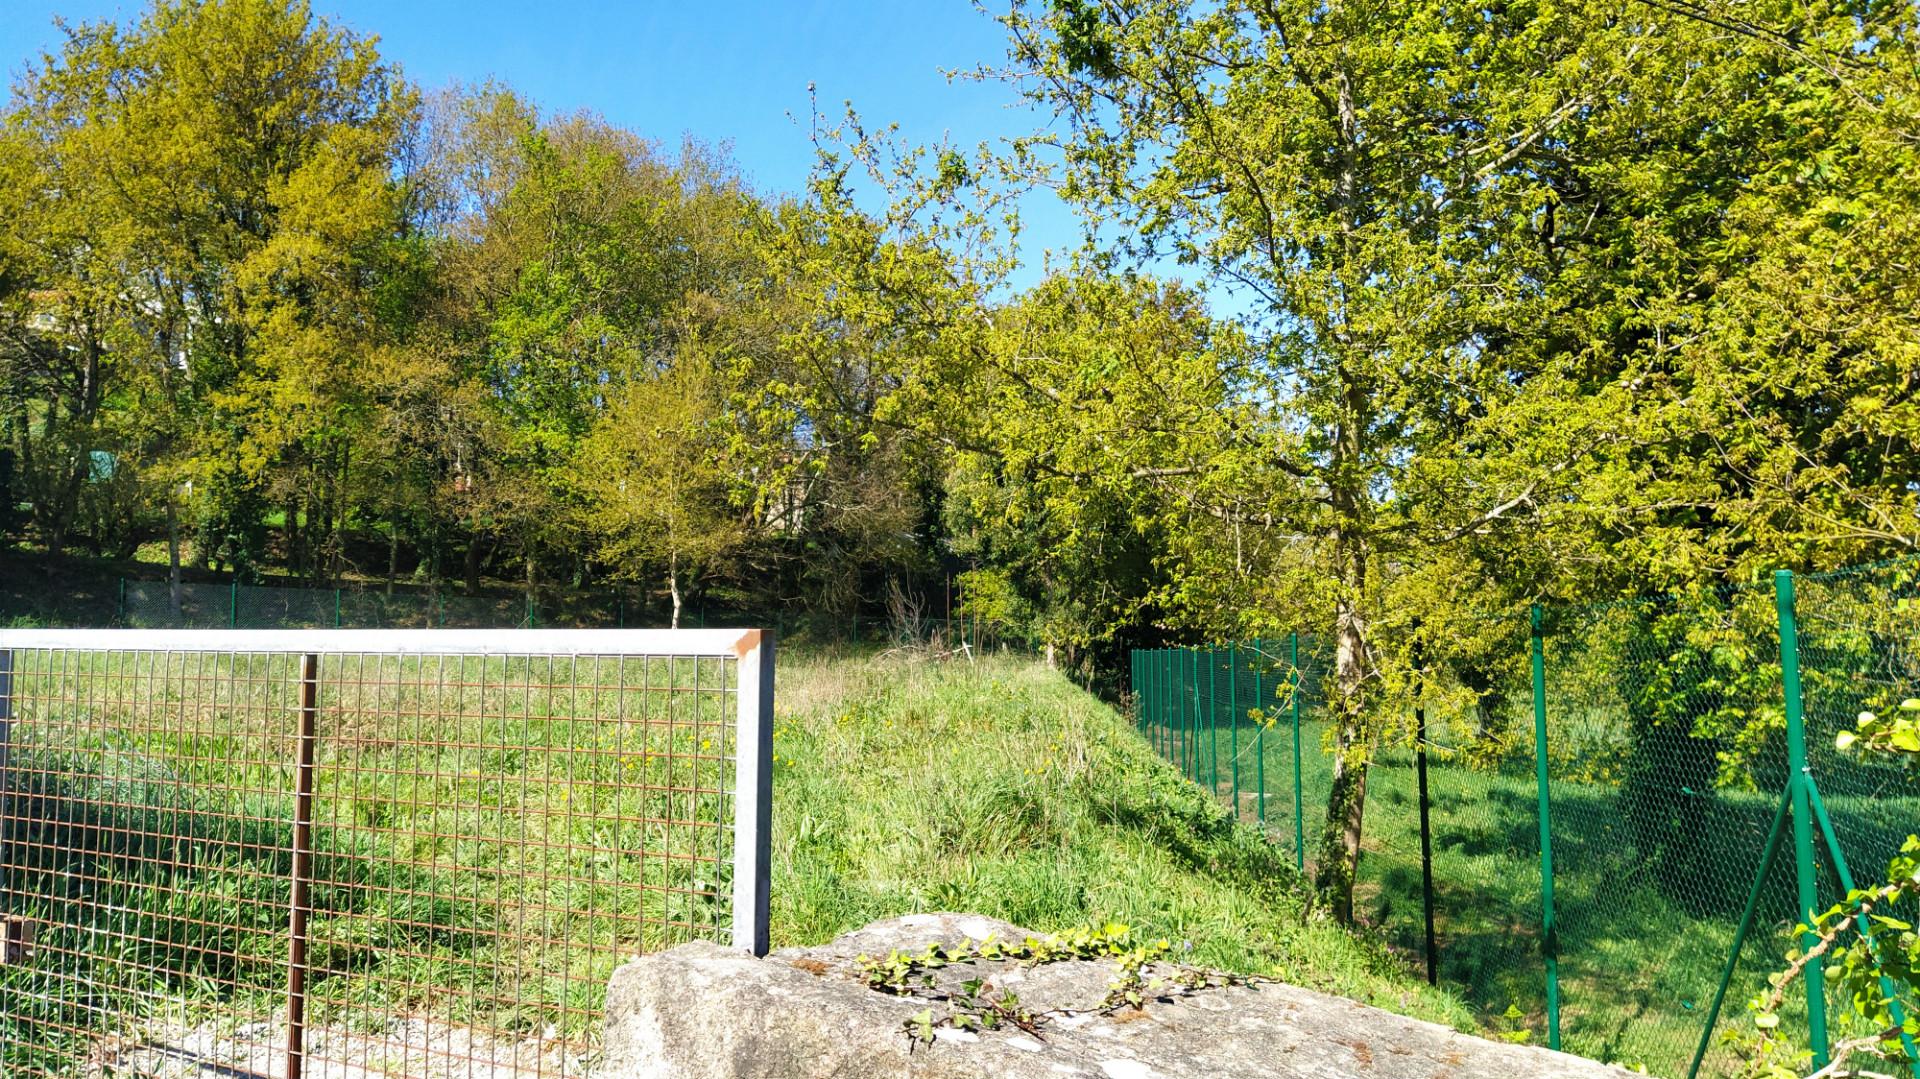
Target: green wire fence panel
<point>1475,698</point>
<point>1665,759</point>
<point>1859,652</point>
<point>257,607</point>
<point>155,605</point>
<point>1661,759</point>
<point>1230,718</point>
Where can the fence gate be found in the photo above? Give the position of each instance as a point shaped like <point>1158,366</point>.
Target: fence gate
<point>364,853</point>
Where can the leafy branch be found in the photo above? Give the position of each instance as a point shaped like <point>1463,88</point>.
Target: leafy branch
<point>1872,956</point>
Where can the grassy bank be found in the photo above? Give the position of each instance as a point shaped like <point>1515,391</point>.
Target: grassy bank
<point>1002,789</point>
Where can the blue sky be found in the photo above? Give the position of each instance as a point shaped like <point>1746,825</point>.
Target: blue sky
<point>733,71</point>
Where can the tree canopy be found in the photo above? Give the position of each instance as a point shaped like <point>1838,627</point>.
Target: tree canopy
<point>1385,312</point>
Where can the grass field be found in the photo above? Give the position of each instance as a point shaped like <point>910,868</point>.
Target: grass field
<point>1640,957</point>
<point>474,861</point>
<point>488,837</point>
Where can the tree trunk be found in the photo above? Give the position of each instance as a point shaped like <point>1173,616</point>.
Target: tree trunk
<point>673,586</point>
<point>1349,497</point>
<point>337,539</point>
<point>393,547</point>
<point>472,574</point>
<point>322,541</point>
<point>1338,865</point>
<point>173,557</point>
<point>1489,702</point>
<point>531,579</point>
<point>291,529</point>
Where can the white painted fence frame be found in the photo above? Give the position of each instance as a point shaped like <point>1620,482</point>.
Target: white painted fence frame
<point>752,649</point>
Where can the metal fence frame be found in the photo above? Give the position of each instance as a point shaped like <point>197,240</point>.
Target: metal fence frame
<point>750,650</point>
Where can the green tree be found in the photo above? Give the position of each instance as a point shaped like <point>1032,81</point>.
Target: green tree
<point>654,477</point>
<point>231,223</point>
<point>1353,170</point>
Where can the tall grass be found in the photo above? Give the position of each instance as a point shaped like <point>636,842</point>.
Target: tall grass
<point>1000,788</point>
<point>475,848</point>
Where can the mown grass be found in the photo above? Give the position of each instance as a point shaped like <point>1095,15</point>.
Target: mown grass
<point>461,831</point>
<point>1641,951</point>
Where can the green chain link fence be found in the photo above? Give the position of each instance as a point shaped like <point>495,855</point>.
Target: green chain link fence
<point>1602,784</point>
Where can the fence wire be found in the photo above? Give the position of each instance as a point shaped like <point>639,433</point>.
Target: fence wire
<point>359,863</point>
<point>144,604</point>
<point>1665,757</point>
<point>1666,754</point>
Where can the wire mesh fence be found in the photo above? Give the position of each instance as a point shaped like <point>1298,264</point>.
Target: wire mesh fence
<point>1601,785</point>
<point>147,604</point>
<point>372,854</point>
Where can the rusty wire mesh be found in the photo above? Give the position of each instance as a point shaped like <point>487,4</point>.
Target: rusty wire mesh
<point>281,863</point>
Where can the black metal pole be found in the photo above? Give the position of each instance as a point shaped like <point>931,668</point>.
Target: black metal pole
<point>1426,829</point>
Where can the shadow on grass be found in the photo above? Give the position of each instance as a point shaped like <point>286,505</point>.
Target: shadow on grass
<point>142,890</point>
<point>1642,935</point>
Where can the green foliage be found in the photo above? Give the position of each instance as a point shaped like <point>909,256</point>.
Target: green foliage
<point>1870,949</point>
<point>1485,307</point>
<point>1895,734</point>
<point>1516,285</point>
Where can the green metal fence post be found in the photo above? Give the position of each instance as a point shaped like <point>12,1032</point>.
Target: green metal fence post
<point>1189,720</point>
<point>1769,853</point>
<point>1549,943</point>
<point>1299,821</point>
<point>1149,688</point>
<point>120,606</point>
<point>1176,712</point>
<point>1804,868</point>
<point>1152,697</point>
<point>1194,771</point>
<point>1160,699</point>
<point>1894,1010</point>
<point>233,603</point>
<point>1213,722</point>
<point>1171,659</point>
<point>1164,698</point>
<point>1164,673</point>
<point>1260,729</point>
<point>1233,713</point>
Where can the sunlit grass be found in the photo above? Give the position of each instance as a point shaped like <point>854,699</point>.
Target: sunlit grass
<point>474,848</point>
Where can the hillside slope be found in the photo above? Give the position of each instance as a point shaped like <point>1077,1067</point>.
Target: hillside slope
<point>1000,788</point>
